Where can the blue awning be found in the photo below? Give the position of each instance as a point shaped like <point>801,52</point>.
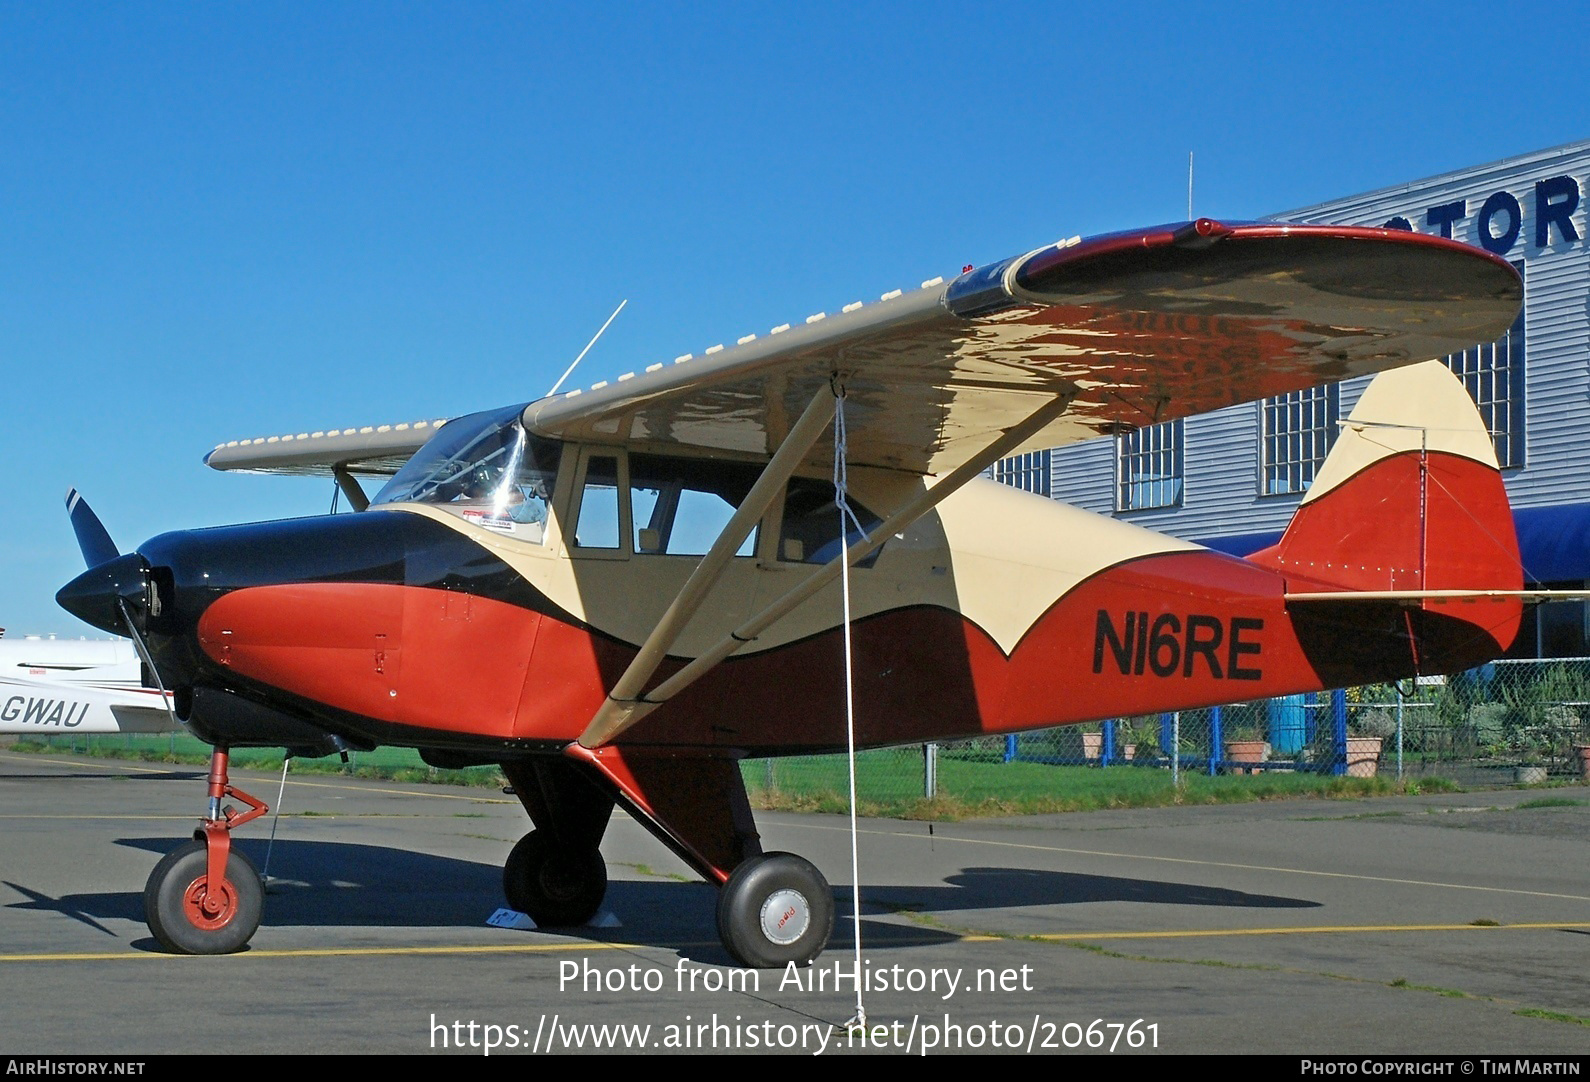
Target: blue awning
<point>1244,544</point>
<point>1554,542</point>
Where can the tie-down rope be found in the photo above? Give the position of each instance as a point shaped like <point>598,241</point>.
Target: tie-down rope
<point>847,518</point>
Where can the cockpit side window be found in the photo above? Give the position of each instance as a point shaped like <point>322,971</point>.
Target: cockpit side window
<point>598,524</point>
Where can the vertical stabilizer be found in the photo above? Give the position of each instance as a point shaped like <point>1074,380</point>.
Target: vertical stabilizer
<point>1410,498</point>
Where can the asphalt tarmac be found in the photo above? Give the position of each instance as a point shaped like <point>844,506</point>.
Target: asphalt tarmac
<point>1454,924</point>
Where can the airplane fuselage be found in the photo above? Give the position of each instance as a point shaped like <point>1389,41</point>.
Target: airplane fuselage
<point>414,624</point>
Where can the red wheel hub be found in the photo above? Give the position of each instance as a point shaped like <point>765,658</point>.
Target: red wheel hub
<point>209,909</point>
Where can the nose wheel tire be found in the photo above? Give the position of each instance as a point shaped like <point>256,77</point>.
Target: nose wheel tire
<point>775,909</point>
<point>190,915</point>
<point>555,885</point>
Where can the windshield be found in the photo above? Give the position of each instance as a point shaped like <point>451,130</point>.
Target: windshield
<point>485,468</point>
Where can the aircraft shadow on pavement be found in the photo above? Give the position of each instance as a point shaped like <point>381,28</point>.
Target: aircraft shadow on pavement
<point>339,884</point>
<point>1007,888</point>
<point>113,775</point>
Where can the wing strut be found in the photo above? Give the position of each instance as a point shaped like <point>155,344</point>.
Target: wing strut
<point>615,717</point>
<point>350,487</point>
<point>619,710</point>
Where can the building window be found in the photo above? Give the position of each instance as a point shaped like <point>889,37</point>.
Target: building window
<point>1028,472</point>
<point>1494,376</point>
<point>1148,467</point>
<point>1296,432</point>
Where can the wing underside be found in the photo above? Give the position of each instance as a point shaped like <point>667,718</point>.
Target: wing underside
<point>1132,328</point>
<point>1128,329</point>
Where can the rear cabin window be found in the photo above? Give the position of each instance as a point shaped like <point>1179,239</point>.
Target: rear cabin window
<point>810,530</point>
<point>679,506</point>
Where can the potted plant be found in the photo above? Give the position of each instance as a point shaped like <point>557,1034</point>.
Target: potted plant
<point>1245,741</point>
<point>1137,736</point>
<point>1365,737</point>
<point>1084,742</point>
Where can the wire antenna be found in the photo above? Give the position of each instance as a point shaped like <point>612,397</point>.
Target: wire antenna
<point>587,348</point>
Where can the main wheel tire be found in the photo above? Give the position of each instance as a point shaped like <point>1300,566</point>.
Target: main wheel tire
<point>189,916</point>
<point>556,886</point>
<point>775,909</point>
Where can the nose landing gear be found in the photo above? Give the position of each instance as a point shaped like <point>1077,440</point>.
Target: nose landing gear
<point>203,898</point>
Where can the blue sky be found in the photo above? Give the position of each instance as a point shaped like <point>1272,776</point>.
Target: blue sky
<point>224,221</point>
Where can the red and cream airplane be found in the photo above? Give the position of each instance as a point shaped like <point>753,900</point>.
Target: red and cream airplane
<point>618,593</point>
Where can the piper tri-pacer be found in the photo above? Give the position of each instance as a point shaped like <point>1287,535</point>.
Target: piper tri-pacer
<point>616,594</point>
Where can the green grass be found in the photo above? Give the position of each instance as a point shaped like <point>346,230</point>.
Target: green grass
<point>390,764</point>
<point>889,781</point>
<point>1552,1016</point>
<point>890,784</point>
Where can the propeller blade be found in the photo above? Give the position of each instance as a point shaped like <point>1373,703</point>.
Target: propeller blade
<point>92,537</point>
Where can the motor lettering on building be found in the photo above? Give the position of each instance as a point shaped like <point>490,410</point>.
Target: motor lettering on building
<point>1171,645</point>
<point>1499,220</point>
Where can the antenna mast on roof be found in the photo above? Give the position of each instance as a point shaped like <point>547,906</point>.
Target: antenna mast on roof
<point>587,348</point>
<point>1189,185</point>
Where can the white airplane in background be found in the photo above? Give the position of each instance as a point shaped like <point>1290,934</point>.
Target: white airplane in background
<point>50,686</point>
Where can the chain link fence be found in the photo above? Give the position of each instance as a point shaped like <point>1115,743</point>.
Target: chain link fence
<point>1506,722</point>
<point>1503,723</point>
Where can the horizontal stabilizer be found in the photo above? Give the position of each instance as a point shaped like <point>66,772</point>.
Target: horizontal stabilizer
<point>1440,597</point>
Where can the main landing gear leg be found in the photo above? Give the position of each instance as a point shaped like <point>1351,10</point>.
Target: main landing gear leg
<point>773,908</point>
<point>556,873</point>
<point>204,898</point>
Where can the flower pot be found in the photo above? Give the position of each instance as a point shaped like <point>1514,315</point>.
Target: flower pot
<point>1363,756</point>
<point>1582,752</point>
<point>1092,745</point>
<point>1247,751</point>
<point>1071,745</point>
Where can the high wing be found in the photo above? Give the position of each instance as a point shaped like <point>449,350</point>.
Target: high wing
<point>1127,329</point>
<point>378,450</point>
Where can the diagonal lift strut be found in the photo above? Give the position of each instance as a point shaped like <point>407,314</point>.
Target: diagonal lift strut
<point>625,705</point>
